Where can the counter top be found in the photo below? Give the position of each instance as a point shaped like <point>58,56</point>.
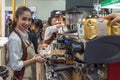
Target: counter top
<point>3,41</point>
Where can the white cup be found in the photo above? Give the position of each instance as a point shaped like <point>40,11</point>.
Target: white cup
<point>49,49</point>
<point>42,52</point>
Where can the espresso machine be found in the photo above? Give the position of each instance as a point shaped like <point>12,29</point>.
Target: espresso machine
<point>92,50</point>
<point>99,49</point>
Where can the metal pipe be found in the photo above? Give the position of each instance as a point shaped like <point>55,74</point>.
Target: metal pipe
<point>24,2</point>
<point>13,8</point>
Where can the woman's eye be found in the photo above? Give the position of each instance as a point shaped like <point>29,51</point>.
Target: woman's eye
<point>29,19</point>
<point>24,18</point>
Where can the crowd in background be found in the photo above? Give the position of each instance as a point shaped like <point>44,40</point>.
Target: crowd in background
<point>38,28</point>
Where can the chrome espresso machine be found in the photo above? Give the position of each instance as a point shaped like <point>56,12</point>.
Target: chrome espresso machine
<point>92,52</point>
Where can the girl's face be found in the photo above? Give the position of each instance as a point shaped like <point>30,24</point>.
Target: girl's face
<point>54,21</point>
<point>60,19</point>
<point>24,21</point>
<point>35,28</point>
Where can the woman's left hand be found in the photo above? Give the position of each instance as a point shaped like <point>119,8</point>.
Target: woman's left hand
<point>39,55</point>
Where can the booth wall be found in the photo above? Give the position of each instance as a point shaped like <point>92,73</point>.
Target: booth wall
<point>43,7</point>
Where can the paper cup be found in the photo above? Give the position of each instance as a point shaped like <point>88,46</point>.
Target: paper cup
<point>42,52</point>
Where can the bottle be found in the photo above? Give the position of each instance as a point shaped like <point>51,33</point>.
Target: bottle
<point>115,29</point>
<point>96,27</point>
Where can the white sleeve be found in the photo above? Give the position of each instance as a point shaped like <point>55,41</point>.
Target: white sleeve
<point>49,31</point>
<point>65,29</point>
<point>62,29</point>
<point>15,54</point>
<point>53,28</point>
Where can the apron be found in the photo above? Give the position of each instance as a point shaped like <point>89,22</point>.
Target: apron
<point>28,72</point>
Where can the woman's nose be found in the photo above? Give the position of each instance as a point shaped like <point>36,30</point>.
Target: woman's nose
<point>27,22</point>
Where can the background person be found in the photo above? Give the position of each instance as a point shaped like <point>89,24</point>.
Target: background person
<point>36,33</point>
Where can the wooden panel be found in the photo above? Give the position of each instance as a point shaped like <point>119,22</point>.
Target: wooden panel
<point>40,71</point>
<point>2,55</point>
<point>0,19</point>
<point>3,51</point>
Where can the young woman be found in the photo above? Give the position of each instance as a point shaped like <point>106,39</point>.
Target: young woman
<point>54,26</point>
<point>21,51</point>
<point>36,33</point>
<point>50,32</point>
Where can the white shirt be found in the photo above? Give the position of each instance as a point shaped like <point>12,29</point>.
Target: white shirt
<point>49,31</point>
<point>15,49</point>
<point>62,29</point>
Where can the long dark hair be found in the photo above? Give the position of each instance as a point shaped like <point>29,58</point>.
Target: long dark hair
<point>18,13</point>
<point>50,20</point>
<point>38,23</point>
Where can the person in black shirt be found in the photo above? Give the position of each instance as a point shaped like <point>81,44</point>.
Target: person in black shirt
<point>35,33</point>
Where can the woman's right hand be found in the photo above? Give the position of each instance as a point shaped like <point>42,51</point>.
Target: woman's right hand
<point>60,25</point>
<point>114,17</point>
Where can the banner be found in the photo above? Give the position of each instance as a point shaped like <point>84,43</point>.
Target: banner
<point>110,4</point>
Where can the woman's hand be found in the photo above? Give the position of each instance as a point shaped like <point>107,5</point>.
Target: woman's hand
<point>60,25</point>
<point>114,17</point>
<point>39,58</point>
